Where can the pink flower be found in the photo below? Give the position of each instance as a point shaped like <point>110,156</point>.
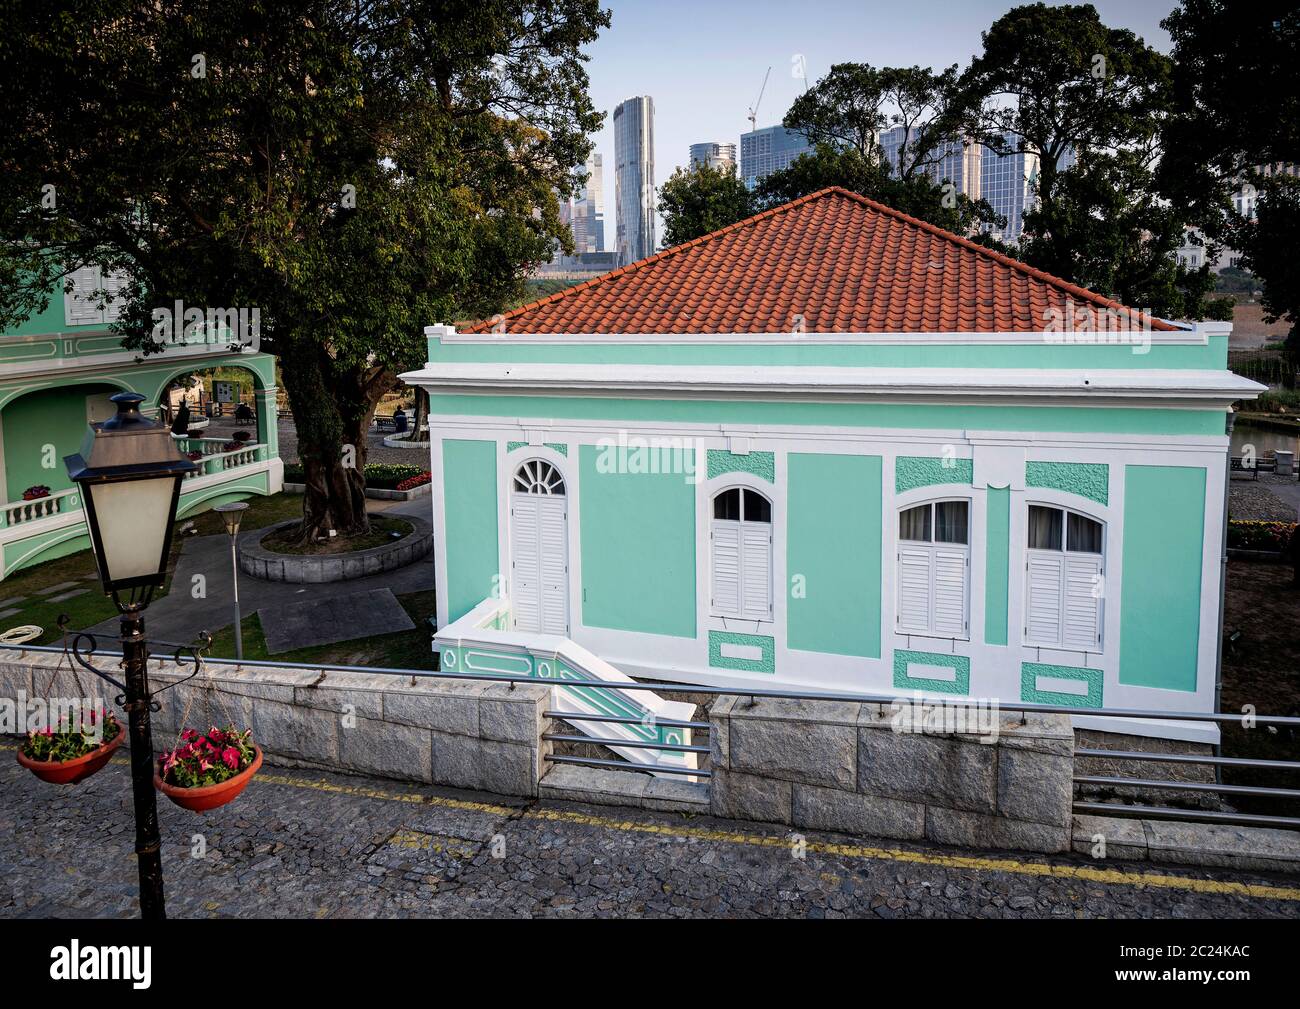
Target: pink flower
<point>231,756</point>
<point>188,734</point>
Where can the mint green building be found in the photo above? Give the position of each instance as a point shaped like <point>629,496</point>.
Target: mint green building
<point>834,447</point>
<point>57,372</point>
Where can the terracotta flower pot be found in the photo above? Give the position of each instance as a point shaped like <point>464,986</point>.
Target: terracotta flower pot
<point>210,796</point>
<point>69,772</point>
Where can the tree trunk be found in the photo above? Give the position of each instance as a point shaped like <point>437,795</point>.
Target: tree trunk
<point>331,412</point>
<point>421,412</point>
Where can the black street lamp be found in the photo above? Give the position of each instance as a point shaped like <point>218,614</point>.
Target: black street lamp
<point>130,472</point>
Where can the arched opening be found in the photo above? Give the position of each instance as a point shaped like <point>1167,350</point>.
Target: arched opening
<point>1064,578</point>
<point>740,554</point>
<point>934,568</point>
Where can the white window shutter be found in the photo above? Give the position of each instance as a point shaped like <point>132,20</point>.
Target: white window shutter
<point>756,570</point>
<point>726,567</point>
<point>526,582</point>
<point>553,563</point>
<point>1043,598</point>
<point>914,577</point>
<point>113,284</point>
<point>949,591</point>
<point>81,304</point>
<point>1082,622</point>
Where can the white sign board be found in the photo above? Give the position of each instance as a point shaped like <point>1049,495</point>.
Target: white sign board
<point>225,392</point>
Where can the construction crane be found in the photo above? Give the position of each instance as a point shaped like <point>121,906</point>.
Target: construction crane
<point>753,109</point>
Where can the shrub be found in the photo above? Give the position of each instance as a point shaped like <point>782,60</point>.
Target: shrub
<point>37,491</point>
<point>1259,535</point>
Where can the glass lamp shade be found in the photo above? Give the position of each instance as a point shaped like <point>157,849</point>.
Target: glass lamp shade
<point>134,519</point>
<point>129,471</point>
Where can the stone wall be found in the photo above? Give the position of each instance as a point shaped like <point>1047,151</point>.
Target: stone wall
<point>829,765</point>
<point>459,733</point>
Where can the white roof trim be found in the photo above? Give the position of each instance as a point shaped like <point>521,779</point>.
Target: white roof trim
<point>1195,334</point>
<point>833,382</point>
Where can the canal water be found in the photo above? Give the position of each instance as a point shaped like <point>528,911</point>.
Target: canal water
<point>1264,439</point>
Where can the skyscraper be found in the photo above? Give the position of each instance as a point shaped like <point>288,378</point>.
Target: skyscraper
<point>957,162</point>
<point>585,213</point>
<point>768,150</point>
<point>634,178</point>
<point>713,155</point>
<point>1007,183</point>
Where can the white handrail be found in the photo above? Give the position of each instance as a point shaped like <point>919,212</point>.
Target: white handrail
<point>18,512</point>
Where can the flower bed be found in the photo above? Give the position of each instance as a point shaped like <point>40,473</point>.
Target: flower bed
<point>410,483</point>
<point>1257,535</point>
<point>380,475</point>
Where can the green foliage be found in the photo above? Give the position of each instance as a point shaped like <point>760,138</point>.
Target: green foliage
<point>1267,245</point>
<point>207,758</point>
<point>64,742</point>
<point>1257,535</point>
<point>381,475</point>
<point>702,199</point>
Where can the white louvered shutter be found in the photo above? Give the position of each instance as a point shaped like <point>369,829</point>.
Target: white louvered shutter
<point>113,284</point>
<point>1082,628</point>
<point>756,570</point>
<point>726,567</point>
<point>914,577</point>
<point>553,564</point>
<point>949,591</point>
<point>526,588</point>
<point>1043,598</point>
<point>81,305</point>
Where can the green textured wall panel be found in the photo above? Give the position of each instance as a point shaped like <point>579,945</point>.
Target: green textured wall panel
<point>1160,600</point>
<point>766,644</point>
<point>911,472</point>
<point>997,545</point>
<point>839,574</point>
<point>759,464</point>
<point>1086,479</point>
<point>904,660</point>
<point>469,473</point>
<point>54,417</point>
<point>1034,693</point>
<point>638,549</point>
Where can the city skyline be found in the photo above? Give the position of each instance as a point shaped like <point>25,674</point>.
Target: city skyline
<point>728,57</point>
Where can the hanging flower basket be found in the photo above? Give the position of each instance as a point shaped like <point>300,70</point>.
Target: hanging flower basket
<point>207,770</point>
<point>64,755</point>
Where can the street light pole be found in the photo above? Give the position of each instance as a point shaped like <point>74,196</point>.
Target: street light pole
<point>148,842</point>
<point>232,514</point>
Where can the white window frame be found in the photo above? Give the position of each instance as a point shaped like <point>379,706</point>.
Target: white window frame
<point>1062,643</point>
<point>904,619</point>
<point>81,305</point>
<point>745,531</point>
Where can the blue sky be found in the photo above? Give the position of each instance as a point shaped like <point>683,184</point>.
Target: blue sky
<point>703,61</point>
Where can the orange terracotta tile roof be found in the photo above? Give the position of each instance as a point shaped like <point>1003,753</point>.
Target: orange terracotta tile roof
<point>845,263</point>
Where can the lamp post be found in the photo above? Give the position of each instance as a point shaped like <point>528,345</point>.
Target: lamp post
<point>130,471</point>
<point>232,514</point>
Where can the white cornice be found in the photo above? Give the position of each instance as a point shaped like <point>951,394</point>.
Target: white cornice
<point>1099,386</point>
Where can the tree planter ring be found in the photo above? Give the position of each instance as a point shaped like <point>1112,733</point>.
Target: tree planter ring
<point>309,569</point>
<point>208,797</point>
<point>69,772</point>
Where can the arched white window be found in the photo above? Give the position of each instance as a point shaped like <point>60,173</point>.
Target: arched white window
<point>741,554</point>
<point>1064,568</point>
<point>538,477</point>
<point>933,569</point>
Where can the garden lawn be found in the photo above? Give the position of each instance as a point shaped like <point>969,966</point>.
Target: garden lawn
<point>33,587</point>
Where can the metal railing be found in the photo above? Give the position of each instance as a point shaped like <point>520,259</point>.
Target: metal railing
<point>1020,708</point>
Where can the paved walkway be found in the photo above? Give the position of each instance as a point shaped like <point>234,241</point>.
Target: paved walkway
<point>181,614</point>
<point>311,844</point>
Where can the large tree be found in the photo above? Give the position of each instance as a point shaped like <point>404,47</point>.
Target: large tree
<point>355,169</point>
<point>702,199</point>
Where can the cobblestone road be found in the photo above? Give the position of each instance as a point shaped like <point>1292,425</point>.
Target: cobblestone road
<point>310,844</point>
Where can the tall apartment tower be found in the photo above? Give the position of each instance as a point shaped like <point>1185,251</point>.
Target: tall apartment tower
<point>714,155</point>
<point>768,150</point>
<point>959,163</point>
<point>1007,182</point>
<point>634,178</point>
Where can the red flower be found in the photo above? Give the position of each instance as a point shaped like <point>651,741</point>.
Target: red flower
<point>231,757</point>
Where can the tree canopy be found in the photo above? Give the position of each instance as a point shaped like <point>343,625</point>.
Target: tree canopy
<point>352,168</point>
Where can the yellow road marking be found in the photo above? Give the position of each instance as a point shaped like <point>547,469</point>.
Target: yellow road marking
<point>1085,873</point>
